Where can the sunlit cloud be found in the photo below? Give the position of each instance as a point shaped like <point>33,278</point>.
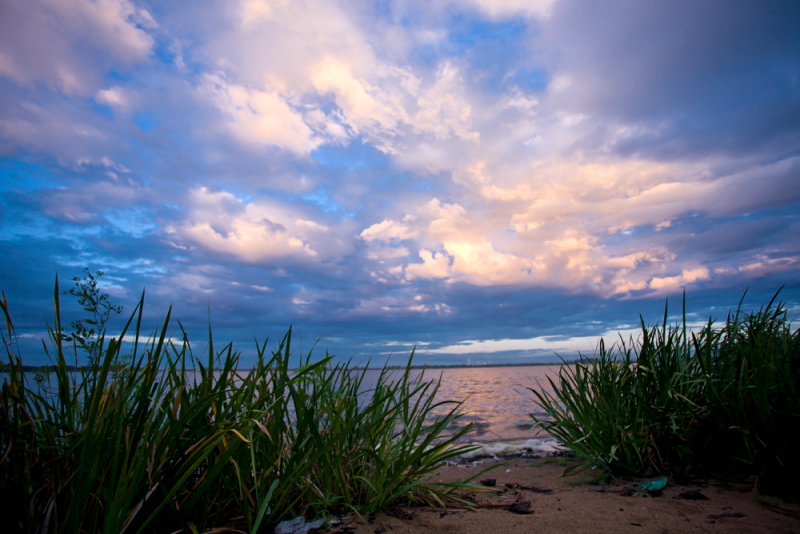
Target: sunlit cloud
<point>260,117</point>
<point>258,231</point>
<point>569,347</point>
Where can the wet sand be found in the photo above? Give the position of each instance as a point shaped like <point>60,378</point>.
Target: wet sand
<point>575,503</point>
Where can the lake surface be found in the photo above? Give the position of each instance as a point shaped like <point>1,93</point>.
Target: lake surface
<point>495,399</point>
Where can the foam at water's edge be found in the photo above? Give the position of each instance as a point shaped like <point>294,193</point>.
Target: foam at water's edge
<point>536,446</point>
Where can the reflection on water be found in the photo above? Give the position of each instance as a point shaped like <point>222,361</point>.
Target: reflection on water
<point>495,399</point>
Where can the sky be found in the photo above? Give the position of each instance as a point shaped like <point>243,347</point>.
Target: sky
<point>485,180</point>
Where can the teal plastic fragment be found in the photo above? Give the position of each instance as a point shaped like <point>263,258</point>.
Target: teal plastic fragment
<point>653,485</point>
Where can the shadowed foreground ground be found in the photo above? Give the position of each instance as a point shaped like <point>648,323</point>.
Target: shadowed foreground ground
<point>577,505</point>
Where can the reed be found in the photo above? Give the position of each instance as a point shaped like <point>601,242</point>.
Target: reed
<point>682,403</point>
<point>157,437</point>
<point>751,372</point>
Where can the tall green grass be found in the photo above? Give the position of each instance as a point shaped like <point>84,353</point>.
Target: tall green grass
<point>154,438</point>
<point>678,402</point>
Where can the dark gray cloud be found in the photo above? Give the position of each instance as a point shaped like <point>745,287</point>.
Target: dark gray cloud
<point>698,78</point>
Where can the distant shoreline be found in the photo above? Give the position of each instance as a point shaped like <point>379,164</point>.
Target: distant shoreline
<point>464,366</point>
<point>73,369</point>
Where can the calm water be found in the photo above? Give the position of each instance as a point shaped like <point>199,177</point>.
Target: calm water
<point>496,399</point>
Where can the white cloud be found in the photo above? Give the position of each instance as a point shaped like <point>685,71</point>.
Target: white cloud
<point>388,230</point>
<point>383,253</point>
<point>118,98</point>
<point>551,224</point>
<point>508,8</point>
<point>400,304</point>
<point>327,58</point>
<point>443,108</point>
<point>672,283</point>
<point>260,231</point>
<point>65,134</point>
<point>255,11</point>
<point>584,344</point>
<point>366,106</point>
<point>260,117</point>
<point>434,265</point>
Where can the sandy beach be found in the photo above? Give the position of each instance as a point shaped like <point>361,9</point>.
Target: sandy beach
<point>548,501</point>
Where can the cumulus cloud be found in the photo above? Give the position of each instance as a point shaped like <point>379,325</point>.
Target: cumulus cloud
<point>674,283</point>
<point>434,265</point>
<point>388,230</point>
<point>391,102</point>
<point>261,231</point>
<point>327,84</point>
<point>260,117</point>
<point>571,224</point>
<point>443,109</point>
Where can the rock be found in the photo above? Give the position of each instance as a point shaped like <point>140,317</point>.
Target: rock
<point>522,507</point>
<point>723,515</point>
<point>297,525</point>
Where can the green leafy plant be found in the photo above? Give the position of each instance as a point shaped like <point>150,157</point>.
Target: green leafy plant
<point>89,332</point>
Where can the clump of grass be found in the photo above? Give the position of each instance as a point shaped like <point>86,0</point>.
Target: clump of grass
<point>160,438</point>
<point>682,403</point>
<point>750,372</point>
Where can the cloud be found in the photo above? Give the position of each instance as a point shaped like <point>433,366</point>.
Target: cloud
<point>507,8</point>
<point>441,171</point>
<point>327,85</point>
<point>69,45</point>
<point>261,231</point>
<point>260,117</point>
<point>443,108</point>
<point>493,346</point>
<point>553,228</point>
<point>434,265</point>
<point>574,224</point>
<point>673,75</point>
<point>366,107</point>
<point>674,283</point>
<point>117,98</point>
<point>99,196</point>
<point>398,304</point>
<point>65,134</point>
<point>388,230</point>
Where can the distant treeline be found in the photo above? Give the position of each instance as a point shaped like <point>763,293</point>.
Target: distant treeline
<point>4,368</point>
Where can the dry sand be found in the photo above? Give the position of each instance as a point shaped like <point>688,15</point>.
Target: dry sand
<point>577,504</point>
